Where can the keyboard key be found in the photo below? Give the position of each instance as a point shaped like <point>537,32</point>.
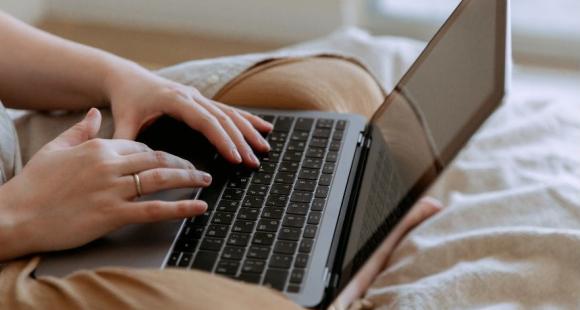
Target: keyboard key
<point>297,276</point>
<point>253,266</point>
<point>297,146</point>
<point>321,133</point>
<point>201,220</point>
<point>228,206</point>
<point>322,191</point>
<point>285,177</point>
<point>297,208</point>
<point>285,247</point>
<point>272,157</point>
<point>294,221</point>
<point>317,205</point>
<point>262,178</point>
<point>292,156</point>
<point>192,232</point>
<point>205,260</point>
<point>227,267</point>
<point>185,260</point>
<point>276,279</point>
<point>233,194</point>
<point>267,118</point>
<point>299,136</point>
<point>289,233</point>
<point>280,261</point>
<point>250,278</point>
<point>299,196</point>
<point>324,123</point>
<point>306,246</point>
<point>239,239</point>
<point>186,245</point>
<point>223,218</point>
<point>233,253</point>
<point>277,147</point>
<point>338,134</point>
<point>315,153</point>
<point>219,231</point>
<point>248,214</point>
<point>243,227</point>
<point>334,145</point>
<point>267,167</point>
<point>318,143</point>
<point>268,225</point>
<point>341,125</point>
<point>173,258</point>
<point>290,166</point>
<point>239,182</point>
<point>272,213</point>
<point>253,202</point>
<point>259,190</point>
<point>259,252</point>
<point>277,201</point>
<point>263,238</point>
<point>278,137</point>
<point>328,168</point>
<point>314,218</point>
<point>283,123</point>
<point>332,157</point>
<point>293,288</point>
<point>303,124</point>
<point>281,189</point>
<point>310,231</point>
<point>301,261</point>
<point>312,163</point>
<point>325,180</point>
<point>212,244</point>
<point>310,174</point>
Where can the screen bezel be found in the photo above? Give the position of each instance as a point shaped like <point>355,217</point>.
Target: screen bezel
<point>450,151</point>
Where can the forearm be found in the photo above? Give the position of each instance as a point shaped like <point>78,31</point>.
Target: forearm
<point>41,71</point>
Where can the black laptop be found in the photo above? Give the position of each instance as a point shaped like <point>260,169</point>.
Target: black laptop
<point>334,185</point>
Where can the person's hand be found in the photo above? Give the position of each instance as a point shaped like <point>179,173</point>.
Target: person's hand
<point>138,97</point>
<point>348,298</point>
<point>78,188</point>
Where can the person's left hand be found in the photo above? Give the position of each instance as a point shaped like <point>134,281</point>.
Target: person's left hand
<point>138,97</point>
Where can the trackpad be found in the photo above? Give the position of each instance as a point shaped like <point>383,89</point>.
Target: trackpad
<point>135,246</point>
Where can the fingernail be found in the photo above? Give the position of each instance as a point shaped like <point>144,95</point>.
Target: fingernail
<point>254,159</point>
<point>203,208</point>
<point>237,155</point>
<point>206,177</point>
<point>266,145</point>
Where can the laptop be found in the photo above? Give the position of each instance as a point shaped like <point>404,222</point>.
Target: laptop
<point>333,186</point>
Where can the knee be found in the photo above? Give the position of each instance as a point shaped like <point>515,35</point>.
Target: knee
<point>320,83</point>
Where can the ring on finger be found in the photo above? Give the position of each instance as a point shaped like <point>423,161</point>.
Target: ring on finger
<point>138,184</point>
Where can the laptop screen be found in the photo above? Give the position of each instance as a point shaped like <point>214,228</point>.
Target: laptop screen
<point>443,99</point>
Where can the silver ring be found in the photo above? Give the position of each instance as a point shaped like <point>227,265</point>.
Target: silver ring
<point>138,184</point>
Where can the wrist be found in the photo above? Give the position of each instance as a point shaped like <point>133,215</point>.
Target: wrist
<point>14,241</point>
<point>118,72</point>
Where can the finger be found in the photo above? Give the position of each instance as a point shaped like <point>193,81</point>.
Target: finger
<point>198,118</point>
<point>126,147</point>
<point>234,132</point>
<point>257,122</point>
<point>159,179</point>
<point>81,132</point>
<point>421,211</point>
<point>137,162</point>
<point>250,132</point>
<point>155,211</point>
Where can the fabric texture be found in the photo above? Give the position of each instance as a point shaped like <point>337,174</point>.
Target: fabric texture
<point>9,149</point>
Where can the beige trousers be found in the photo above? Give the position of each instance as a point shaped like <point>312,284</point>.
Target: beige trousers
<point>328,84</point>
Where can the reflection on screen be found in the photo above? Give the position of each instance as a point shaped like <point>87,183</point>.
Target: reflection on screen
<point>427,119</point>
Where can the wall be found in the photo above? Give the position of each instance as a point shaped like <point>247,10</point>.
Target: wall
<point>29,11</point>
<point>266,20</point>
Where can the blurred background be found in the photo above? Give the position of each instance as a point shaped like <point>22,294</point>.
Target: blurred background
<point>158,33</point>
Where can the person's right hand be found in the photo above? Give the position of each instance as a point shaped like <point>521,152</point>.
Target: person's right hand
<point>78,188</point>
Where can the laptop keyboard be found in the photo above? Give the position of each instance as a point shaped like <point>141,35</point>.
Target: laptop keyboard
<point>261,225</point>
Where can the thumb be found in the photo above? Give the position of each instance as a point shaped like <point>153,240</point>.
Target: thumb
<point>82,131</point>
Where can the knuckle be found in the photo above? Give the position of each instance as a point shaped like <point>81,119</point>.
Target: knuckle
<point>161,158</point>
<point>154,211</point>
<point>222,117</point>
<point>158,177</point>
